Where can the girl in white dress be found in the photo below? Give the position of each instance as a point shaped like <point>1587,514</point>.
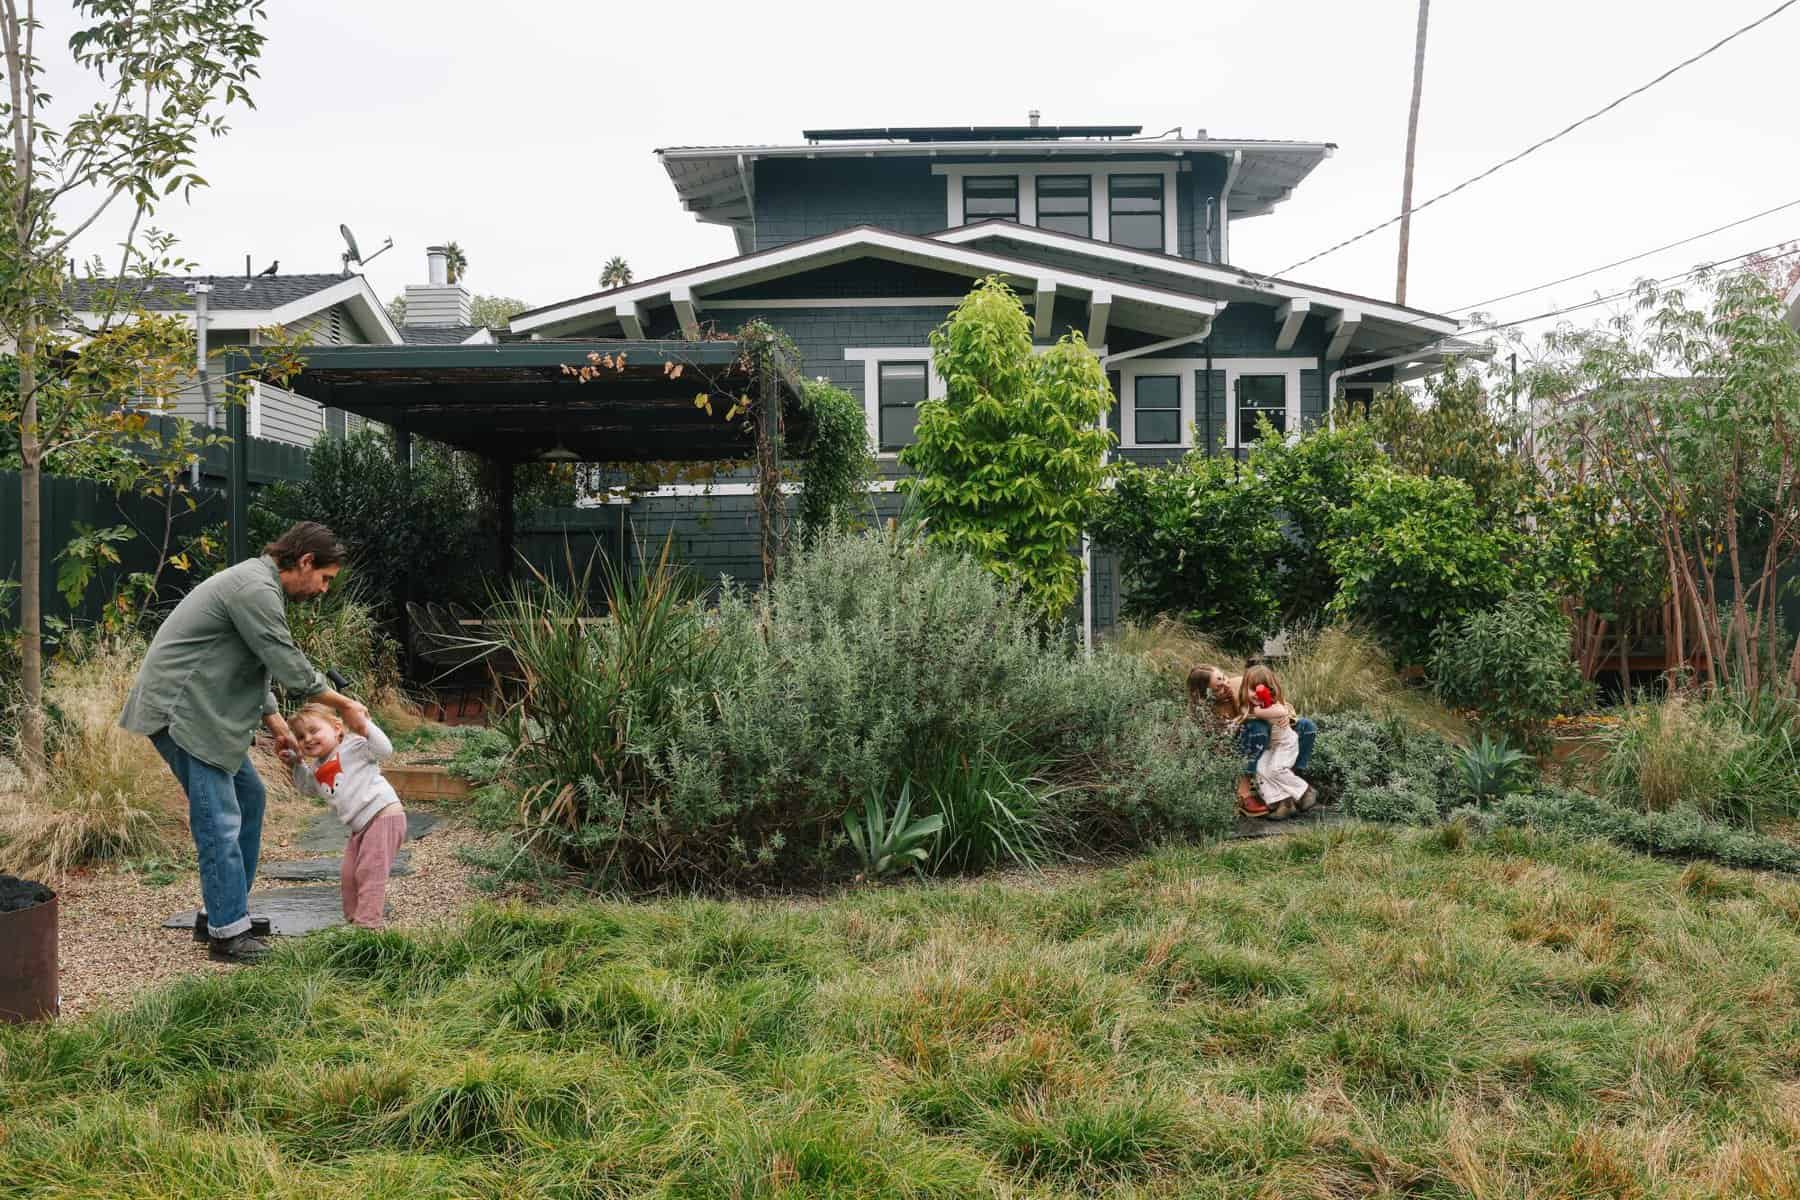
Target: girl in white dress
<point>1280,786</point>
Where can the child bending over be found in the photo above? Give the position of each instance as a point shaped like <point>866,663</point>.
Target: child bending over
<point>346,774</point>
<point>1277,782</point>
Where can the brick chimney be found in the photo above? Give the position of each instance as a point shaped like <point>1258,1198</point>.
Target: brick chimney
<point>439,302</point>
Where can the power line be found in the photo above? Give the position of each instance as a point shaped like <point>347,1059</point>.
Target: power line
<point>1539,145</point>
<point>1623,292</point>
<point>1622,261</point>
<point>1558,312</point>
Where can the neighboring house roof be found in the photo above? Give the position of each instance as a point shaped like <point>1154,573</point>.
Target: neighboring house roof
<point>715,183</point>
<point>237,302</point>
<point>1150,308</point>
<point>446,335</point>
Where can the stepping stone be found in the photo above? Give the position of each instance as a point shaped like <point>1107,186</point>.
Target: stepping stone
<point>291,911</point>
<point>320,870</point>
<point>328,835</point>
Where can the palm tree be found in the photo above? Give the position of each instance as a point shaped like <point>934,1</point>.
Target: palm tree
<point>456,263</point>
<point>616,273</point>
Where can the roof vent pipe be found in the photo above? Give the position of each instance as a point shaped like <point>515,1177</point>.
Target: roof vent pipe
<point>1034,118</point>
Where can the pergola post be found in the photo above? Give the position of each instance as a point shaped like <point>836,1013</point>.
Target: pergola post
<point>403,455</point>
<point>504,492</point>
<point>772,505</point>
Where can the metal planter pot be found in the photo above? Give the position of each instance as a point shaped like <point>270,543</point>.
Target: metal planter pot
<point>28,963</point>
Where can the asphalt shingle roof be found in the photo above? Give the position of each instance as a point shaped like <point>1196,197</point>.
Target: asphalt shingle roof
<point>170,292</point>
<point>438,335</point>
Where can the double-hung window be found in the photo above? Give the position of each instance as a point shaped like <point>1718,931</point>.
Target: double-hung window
<point>1157,409</point>
<point>1260,396</point>
<point>990,198</point>
<point>1135,210</point>
<point>1065,204</point>
<point>903,387</point>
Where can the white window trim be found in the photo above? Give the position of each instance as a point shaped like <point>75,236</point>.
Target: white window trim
<point>871,358</point>
<point>1183,369</point>
<point>1099,198</point>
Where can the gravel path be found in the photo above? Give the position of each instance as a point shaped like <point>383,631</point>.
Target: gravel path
<point>113,945</point>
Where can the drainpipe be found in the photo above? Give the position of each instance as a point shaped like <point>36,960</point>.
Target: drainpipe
<point>1365,368</point>
<point>1231,174</point>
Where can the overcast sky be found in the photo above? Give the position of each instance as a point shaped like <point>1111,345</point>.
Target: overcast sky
<point>525,131</point>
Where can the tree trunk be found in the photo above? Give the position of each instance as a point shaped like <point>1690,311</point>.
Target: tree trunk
<point>31,541</point>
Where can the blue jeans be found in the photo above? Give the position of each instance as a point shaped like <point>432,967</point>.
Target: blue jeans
<point>1253,739</point>
<point>225,812</point>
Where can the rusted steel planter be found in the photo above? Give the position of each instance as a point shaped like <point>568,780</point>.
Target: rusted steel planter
<point>28,959</point>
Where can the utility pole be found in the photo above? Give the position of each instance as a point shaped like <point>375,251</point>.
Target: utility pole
<point>1412,138</point>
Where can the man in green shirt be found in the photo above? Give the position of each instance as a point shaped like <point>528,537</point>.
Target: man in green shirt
<point>200,694</point>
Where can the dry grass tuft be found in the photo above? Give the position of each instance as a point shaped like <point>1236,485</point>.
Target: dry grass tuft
<point>106,794</point>
<point>1326,670</point>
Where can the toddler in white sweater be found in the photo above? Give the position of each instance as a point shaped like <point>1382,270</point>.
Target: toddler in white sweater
<point>346,773</point>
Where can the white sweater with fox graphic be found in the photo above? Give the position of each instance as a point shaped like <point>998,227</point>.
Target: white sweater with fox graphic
<point>350,780</point>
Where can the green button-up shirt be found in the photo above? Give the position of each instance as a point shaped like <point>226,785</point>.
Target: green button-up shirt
<point>206,676</point>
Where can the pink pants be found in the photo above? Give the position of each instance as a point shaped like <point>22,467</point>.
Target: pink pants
<point>367,860</point>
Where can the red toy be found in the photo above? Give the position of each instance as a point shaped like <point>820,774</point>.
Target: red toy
<point>1264,697</point>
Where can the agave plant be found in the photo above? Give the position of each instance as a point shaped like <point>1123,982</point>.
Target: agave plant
<point>886,843</point>
<point>1491,769</point>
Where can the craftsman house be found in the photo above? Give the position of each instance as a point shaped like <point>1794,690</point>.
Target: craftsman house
<point>857,242</point>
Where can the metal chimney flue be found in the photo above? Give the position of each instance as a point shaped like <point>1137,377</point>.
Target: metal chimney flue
<point>1034,118</point>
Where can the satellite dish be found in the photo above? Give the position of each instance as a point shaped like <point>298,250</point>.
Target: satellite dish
<point>354,253</point>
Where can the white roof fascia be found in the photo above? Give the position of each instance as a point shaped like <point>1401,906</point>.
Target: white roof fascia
<point>1278,290</point>
<point>799,256</point>
<point>1032,149</point>
<point>354,292</point>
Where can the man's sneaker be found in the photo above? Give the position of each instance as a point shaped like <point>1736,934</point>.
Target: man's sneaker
<point>259,926</point>
<point>244,948</point>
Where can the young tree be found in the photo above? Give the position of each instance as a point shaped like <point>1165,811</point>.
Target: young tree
<point>456,262</point>
<point>1008,465</point>
<point>166,70</point>
<point>1691,422</point>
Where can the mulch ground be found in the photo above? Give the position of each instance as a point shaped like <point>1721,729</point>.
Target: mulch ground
<point>113,945</point>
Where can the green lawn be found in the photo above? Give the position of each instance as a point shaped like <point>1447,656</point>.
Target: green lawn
<point>1336,1013</point>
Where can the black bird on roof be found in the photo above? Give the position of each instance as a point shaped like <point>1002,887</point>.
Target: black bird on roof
<point>273,268</point>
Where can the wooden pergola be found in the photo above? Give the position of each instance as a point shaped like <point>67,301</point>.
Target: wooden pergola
<point>526,401</point>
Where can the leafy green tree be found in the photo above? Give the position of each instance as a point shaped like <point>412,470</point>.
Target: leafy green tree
<point>1689,417</point>
<point>1412,553</point>
<point>164,72</point>
<point>456,263</point>
<point>491,311</point>
<point>1007,467</point>
<point>1199,540</point>
<point>1511,664</point>
<point>835,473</point>
<point>1309,480</point>
<point>1452,429</point>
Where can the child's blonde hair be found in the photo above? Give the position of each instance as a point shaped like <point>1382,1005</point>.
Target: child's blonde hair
<point>317,712</point>
<point>1259,675</point>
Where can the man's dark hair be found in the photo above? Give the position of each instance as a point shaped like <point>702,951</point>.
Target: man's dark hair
<point>306,537</point>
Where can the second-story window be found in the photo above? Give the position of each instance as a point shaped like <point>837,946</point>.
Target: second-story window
<point>1065,204</point>
<point>990,198</point>
<point>1157,410</point>
<point>902,391</point>
<point>1136,211</point>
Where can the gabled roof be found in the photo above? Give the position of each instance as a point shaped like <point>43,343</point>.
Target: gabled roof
<point>1219,280</point>
<point>716,183</point>
<point>237,302</point>
<point>1151,308</point>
